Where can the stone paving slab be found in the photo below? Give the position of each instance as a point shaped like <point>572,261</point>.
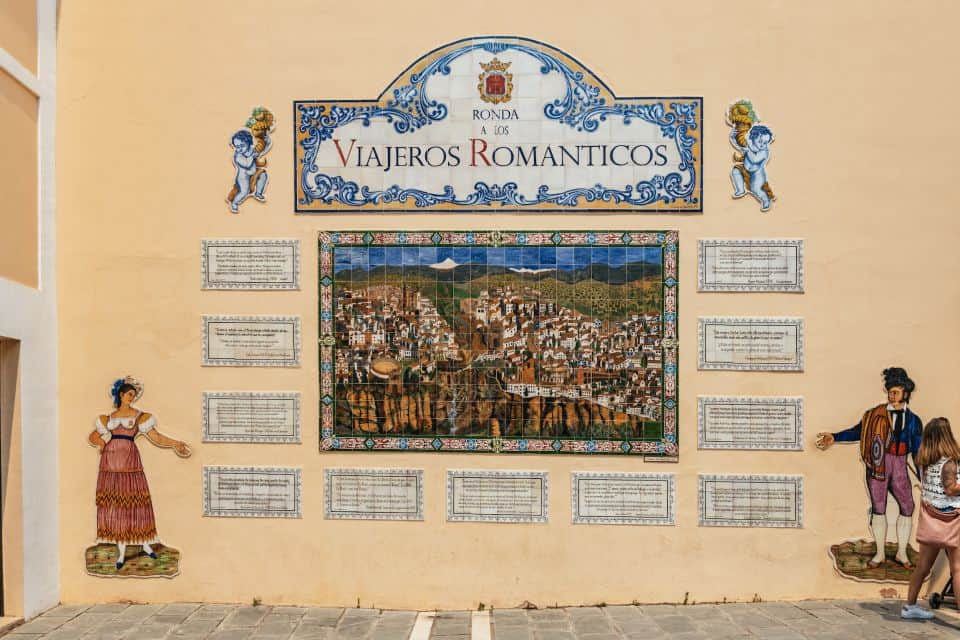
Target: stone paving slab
<point>309,631</point>
<point>810,620</point>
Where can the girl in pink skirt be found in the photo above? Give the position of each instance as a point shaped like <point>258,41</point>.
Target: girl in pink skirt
<point>124,508</point>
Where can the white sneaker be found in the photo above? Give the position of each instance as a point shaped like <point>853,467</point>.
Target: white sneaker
<point>915,612</point>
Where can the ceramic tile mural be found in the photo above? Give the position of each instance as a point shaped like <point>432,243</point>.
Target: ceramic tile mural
<point>498,123</point>
<point>500,341</point>
<point>751,141</point>
<point>250,146</point>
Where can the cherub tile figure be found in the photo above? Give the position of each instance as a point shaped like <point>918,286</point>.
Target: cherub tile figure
<point>752,143</point>
<point>250,145</point>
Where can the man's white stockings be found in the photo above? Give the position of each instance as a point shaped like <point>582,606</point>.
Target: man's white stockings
<point>904,527</point>
<point>878,524</point>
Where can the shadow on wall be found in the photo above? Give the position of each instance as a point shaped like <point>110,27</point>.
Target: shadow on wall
<point>9,492</point>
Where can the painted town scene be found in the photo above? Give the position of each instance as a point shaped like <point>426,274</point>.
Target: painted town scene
<point>523,343</point>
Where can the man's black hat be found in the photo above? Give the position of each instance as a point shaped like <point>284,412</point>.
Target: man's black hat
<point>897,377</point>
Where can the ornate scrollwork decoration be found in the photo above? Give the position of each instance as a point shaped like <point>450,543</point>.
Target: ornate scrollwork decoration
<point>582,108</point>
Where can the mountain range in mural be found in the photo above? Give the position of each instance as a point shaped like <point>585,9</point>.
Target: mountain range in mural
<point>453,272</point>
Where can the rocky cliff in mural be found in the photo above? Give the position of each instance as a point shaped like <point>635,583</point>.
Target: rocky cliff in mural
<point>375,411</point>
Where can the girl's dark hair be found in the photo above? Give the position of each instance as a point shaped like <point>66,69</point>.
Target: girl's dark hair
<point>119,390</point>
<point>937,442</point>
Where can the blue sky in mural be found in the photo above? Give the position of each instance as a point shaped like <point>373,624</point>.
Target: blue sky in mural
<point>563,258</point>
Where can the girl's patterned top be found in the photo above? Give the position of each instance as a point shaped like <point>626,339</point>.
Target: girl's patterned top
<point>933,493</point>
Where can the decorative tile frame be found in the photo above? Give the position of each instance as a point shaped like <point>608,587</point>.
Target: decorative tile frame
<point>668,241</point>
<point>704,244</point>
<point>795,401</point>
<point>295,473</point>
<point>795,480</point>
<point>293,397</point>
<point>704,365</point>
<point>583,105</point>
<point>206,244</point>
<point>668,479</point>
<point>330,514</point>
<point>293,321</point>
<point>542,476</point>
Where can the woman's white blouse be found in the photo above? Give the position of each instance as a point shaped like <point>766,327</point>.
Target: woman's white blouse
<point>933,493</point>
<point>126,423</point>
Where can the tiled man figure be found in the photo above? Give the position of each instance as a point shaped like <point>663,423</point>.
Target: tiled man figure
<point>887,433</point>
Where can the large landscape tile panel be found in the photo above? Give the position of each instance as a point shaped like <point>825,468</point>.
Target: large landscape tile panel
<point>501,341</point>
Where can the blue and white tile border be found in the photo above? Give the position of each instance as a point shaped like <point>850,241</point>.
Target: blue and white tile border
<point>292,397</point>
<point>587,103</point>
<point>792,483</point>
<point>292,284</point>
<point>293,322</point>
<point>704,363</point>
<point>537,477</point>
<point>292,474</point>
<point>331,513</point>
<point>795,402</point>
<point>787,245</point>
<point>667,480</point>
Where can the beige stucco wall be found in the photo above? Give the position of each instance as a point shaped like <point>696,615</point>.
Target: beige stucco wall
<point>149,94</point>
<point>18,31</point>
<point>18,162</point>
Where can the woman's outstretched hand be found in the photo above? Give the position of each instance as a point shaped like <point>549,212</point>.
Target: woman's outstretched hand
<point>182,449</point>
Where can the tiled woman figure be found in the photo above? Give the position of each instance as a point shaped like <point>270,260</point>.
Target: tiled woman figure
<point>124,507</point>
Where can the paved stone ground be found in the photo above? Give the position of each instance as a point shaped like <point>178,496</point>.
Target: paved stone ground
<point>825,619</point>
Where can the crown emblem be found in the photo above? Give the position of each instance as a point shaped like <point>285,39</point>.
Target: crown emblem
<point>496,85</point>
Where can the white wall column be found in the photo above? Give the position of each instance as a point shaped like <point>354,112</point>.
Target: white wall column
<point>29,315</point>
